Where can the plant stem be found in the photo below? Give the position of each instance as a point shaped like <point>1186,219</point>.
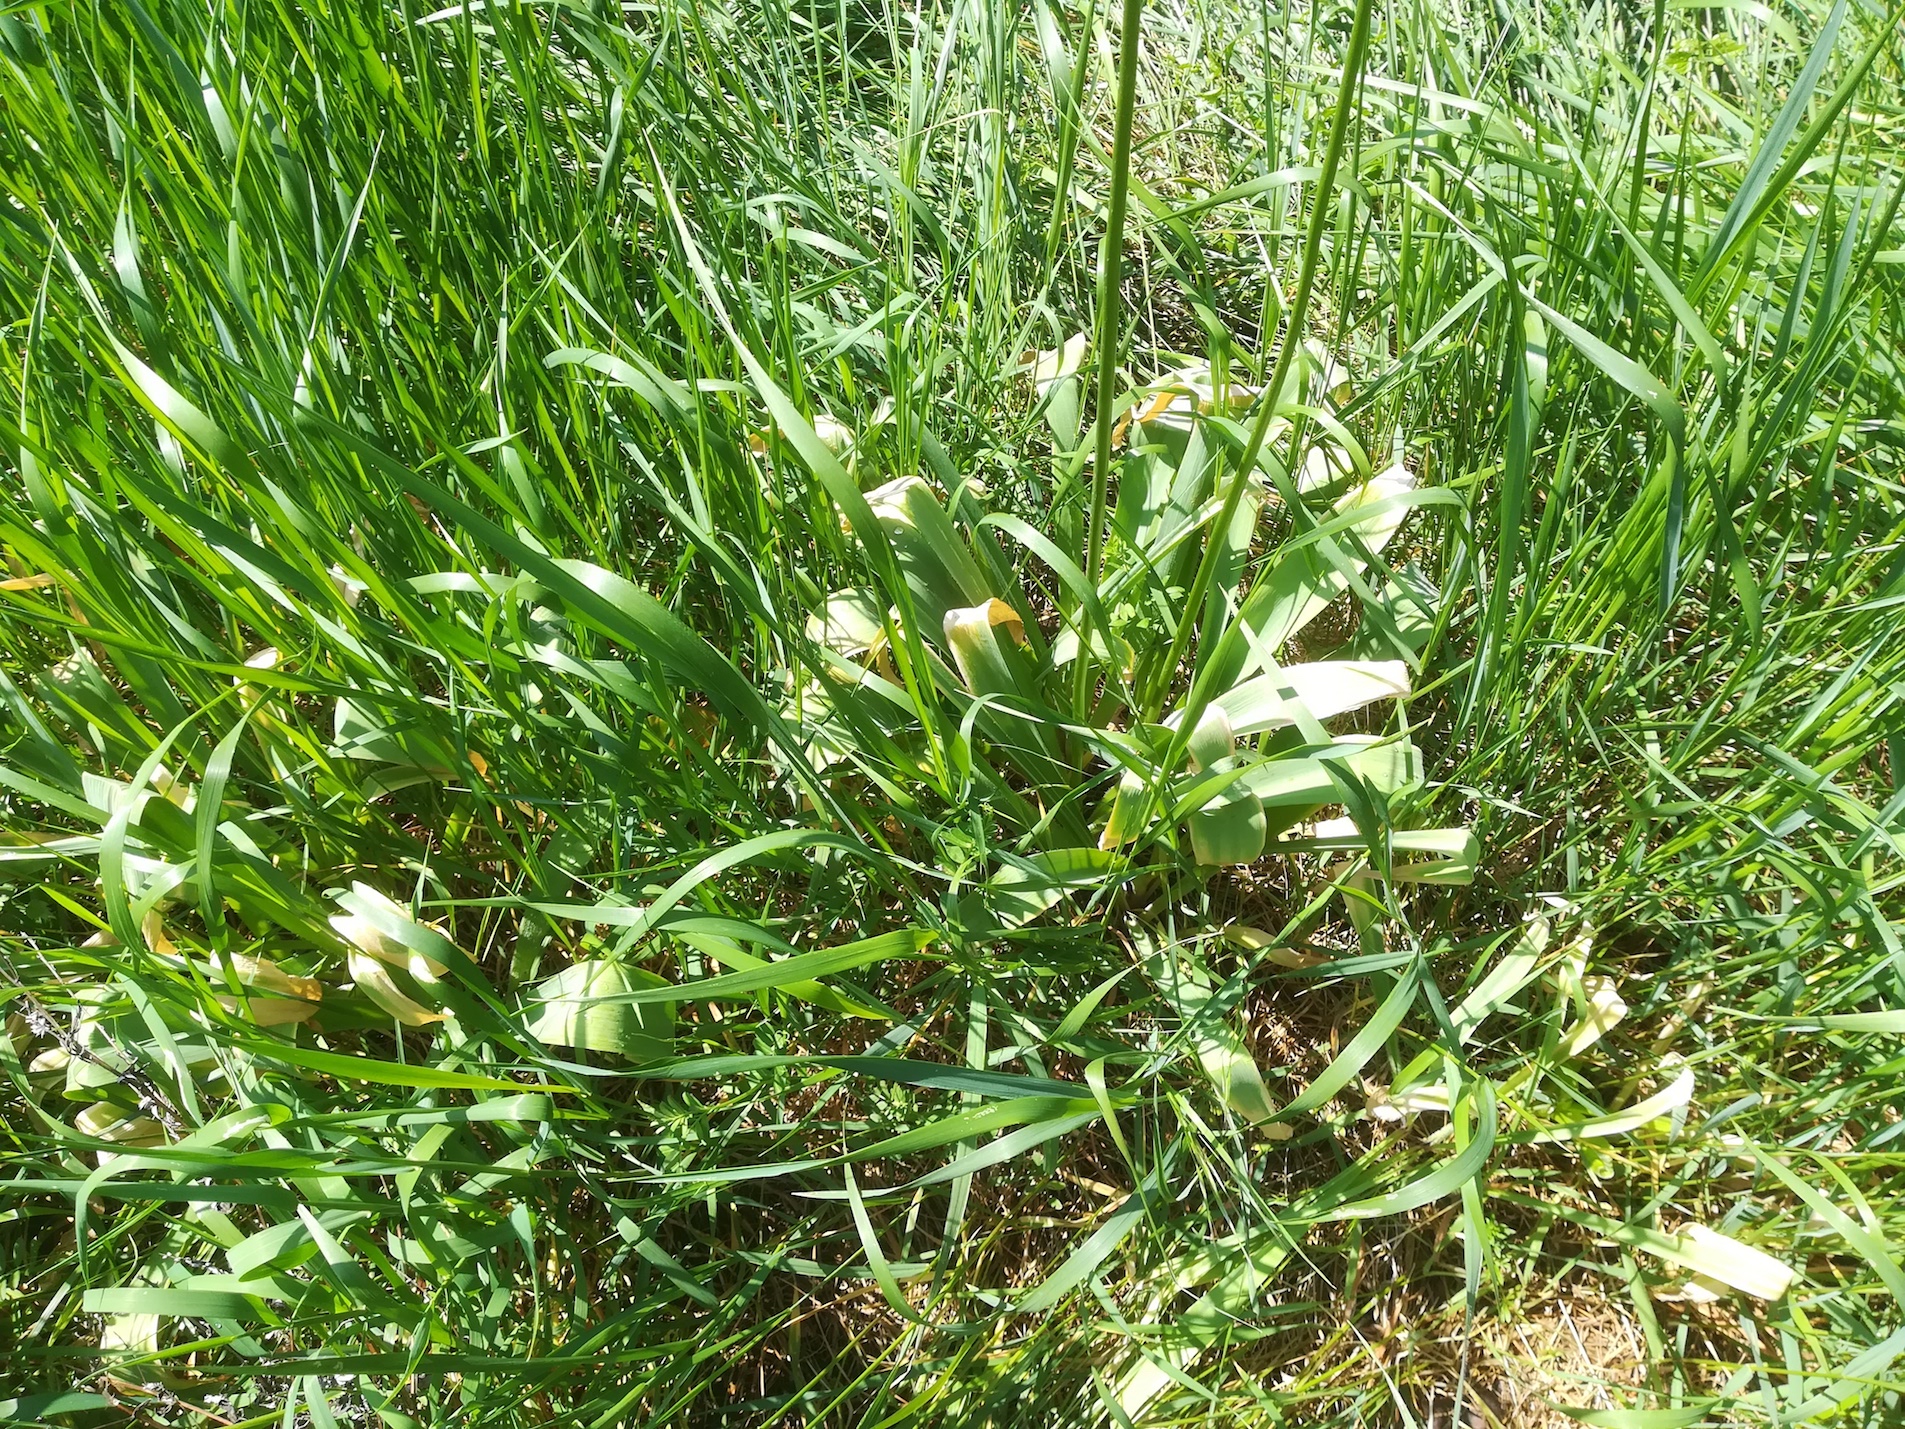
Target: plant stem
<point>1110,262</point>
<point>1071,119</point>
<point>1292,338</point>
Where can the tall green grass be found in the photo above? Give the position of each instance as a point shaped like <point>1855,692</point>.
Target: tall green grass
<point>792,945</point>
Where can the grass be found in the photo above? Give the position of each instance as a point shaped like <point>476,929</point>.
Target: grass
<point>633,794</point>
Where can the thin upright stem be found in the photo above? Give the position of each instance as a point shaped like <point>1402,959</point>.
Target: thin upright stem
<point>1286,352</point>
<point>1110,265</point>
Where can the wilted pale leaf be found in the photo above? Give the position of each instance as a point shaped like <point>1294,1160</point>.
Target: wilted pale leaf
<point>289,998</point>
<point>1392,1107</point>
<point>152,926</point>
<point>933,557</point>
<point>1212,740</point>
<point>348,586</point>
<point>1189,987</point>
<point>367,936</point>
<point>268,1011</point>
<point>128,1336</point>
<point>1112,648</point>
<point>1698,1290</point>
<point>578,1009</point>
<point>1300,585</point>
<point>984,662</point>
<point>1274,953</point>
<point>266,976</point>
<point>1445,857</point>
<point>114,1123</point>
<point>1732,1262</point>
<point>1388,765</point>
<point>359,733</point>
<point>835,435</point>
<point>1664,1102</point>
<point>849,622</point>
<point>1504,981</point>
<point>1604,1008</point>
<point>1053,363</point>
<point>1123,820</point>
<point>373,979</point>
<point>265,659</point>
<point>1322,688</point>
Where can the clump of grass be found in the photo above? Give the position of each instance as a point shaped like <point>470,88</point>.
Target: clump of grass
<point>636,792</point>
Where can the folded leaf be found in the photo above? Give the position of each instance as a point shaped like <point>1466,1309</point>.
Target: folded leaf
<point>1187,985</point>
<point>1305,580</point>
<point>112,1123</point>
<point>933,558</point>
<point>1019,892</point>
<point>1213,739</point>
<point>1229,830</point>
<point>1124,811</point>
<point>373,979</point>
<point>1324,689</point>
<point>574,1012</point>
